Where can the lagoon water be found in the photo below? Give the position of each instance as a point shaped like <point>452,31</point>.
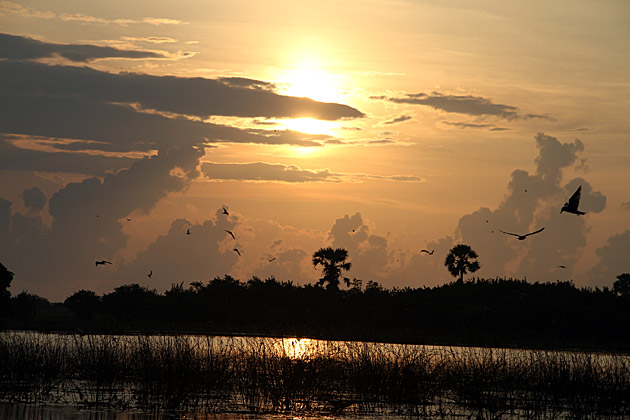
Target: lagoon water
<point>138,377</point>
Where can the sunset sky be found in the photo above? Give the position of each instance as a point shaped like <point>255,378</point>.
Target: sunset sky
<point>383,127</point>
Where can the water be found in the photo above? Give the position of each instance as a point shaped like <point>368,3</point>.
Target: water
<point>104,377</point>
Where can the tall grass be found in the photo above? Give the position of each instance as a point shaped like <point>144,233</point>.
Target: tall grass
<point>262,375</point>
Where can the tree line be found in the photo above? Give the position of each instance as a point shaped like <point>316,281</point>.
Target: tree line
<point>485,312</point>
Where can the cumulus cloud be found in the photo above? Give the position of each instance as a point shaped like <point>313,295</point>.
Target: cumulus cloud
<point>200,97</point>
<point>34,199</point>
<point>462,104</point>
<point>263,171</point>
<point>85,223</point>
<point>613,260</point>
<point>23,48</point>
<point>533,201</point>
<point>177,257</point>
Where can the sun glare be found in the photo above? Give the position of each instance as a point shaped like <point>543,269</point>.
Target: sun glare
<point>313,83</point>
<point>310,125</point>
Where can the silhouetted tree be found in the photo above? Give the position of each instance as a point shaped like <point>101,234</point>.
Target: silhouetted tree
<point>622,285</point>
<point>5,282</point>
<point>459,261</point>
<point>333,261</point>
<point>85,304</point>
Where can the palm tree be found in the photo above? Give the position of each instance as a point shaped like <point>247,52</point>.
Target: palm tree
<point>333,261</point>
<point>458,261</point>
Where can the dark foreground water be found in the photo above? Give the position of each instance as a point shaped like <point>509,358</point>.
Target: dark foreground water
<point>61,376</point>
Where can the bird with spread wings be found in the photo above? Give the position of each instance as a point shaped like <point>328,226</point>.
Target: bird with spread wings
<point>523,237</point>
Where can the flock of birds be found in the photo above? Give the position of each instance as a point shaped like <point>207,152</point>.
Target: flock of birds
<point>150,274</point>
<point>570,206</point>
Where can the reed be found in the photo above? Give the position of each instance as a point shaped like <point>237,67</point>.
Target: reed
<point>205,374</point>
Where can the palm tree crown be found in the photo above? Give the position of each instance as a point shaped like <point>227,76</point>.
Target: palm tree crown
<point>333,261</point>
<point>459,261</point>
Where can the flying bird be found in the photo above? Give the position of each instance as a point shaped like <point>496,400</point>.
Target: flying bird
<point>187,231</point>
<point>430,253</point>
<point>237,251</point>
<point>572,205</point>
<point>102,262</point>
<point>225,211</point>
<point>231,234</point>
<point>150,274</point>
<point>561,266</point>
<point>129,220</point>
<point>271,259</point>
<point>522,237</point>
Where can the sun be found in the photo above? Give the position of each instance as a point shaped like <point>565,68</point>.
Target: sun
<point>306,80</point>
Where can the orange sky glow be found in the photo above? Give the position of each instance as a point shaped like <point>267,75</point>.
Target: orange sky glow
<point>383,127</point>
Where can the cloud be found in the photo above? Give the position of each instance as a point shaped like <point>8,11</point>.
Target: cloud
<point>12,8</point>
<point>66,250</point>
<point>34,199</point>
<point>150,39</point>
<point>400,119</point>
<point>263,171</point>
<point>533,201</point>
<point>79,17</point>
<point>56,117</point>
<point>17,158</point>
<point>462,125</point>
<point>177,257</point>
<point>462,104</point>
<point>613,260</point>
<point>199,97</point>
<point>22,48</point>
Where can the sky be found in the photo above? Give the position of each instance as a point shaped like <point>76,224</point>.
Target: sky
<point>382,127</point>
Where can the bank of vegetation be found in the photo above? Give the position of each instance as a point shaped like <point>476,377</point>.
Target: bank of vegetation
<point>477,312</point>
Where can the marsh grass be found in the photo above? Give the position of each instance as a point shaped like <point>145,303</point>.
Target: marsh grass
<point>203,374</point>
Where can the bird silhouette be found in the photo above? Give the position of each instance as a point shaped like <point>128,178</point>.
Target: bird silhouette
<point>231,234</point>
<point>187,231</point>
<point>129,220</point>
<point>522,237</point>
<point>561,266</point>
<point>572,205</point>
<point>225,211</point>
<point>430,253</point>
<point>150,274</point>
<point>102,262</point>
<point>237,251</point>
<point>271,259</point>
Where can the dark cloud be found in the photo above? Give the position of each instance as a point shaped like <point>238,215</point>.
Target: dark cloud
<point>66,250</point>
<point>34,199</point>
<point>57,117</point>
<point>461,104</point>
<point>400,119</point>
<point>197,96</point>
<point>613,260</point>
<point>263,171</point>
<point>16,158</point>
<point>22,48</point>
